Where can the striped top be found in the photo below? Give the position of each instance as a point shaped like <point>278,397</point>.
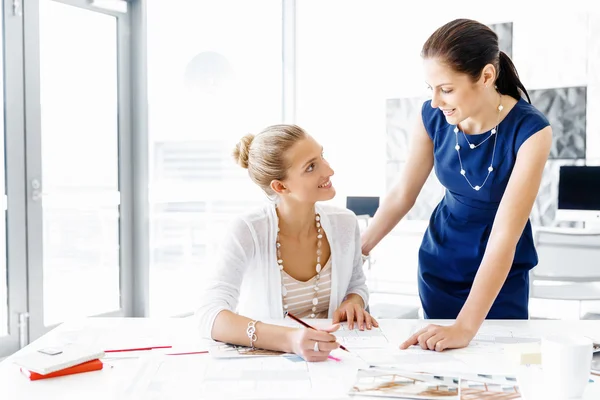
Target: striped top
<point>301,294</point>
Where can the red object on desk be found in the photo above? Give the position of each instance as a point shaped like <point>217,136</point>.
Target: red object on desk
<point>298,320</point>
<point>94,365</point>
<point>187,353</point>
<point>137,349</point>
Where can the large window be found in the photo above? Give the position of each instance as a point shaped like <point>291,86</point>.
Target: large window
<point>214,74</point>
<point>64,154</point>
<point>79,156</point>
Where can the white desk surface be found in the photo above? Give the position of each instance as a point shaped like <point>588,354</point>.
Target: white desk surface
<point>128,377</point>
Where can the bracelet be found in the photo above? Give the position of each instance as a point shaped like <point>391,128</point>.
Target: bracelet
<point>365,258</point>
<point>251,332</point>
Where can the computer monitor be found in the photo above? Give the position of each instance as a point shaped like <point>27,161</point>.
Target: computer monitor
<point>362,206</point>
<point>579,194</point>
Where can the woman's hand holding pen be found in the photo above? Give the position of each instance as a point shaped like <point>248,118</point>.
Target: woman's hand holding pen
<point>313,345</point>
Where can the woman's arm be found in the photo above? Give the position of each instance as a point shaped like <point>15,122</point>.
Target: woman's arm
<point>219,321</point>
<point>357,294</point>
<point>231,328</point>
<point>358,282</point>
<point>513,213</point>
<point>402,197</point>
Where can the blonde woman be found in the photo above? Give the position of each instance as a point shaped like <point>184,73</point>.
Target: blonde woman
<point>293,255</point>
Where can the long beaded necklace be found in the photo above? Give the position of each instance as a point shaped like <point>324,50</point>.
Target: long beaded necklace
<point>494,133</point>
<point>318,267</point>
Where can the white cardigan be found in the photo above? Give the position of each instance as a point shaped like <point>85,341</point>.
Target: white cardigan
<point>247,279</point>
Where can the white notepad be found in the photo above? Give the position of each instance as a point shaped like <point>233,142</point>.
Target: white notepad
<point>71,355</point>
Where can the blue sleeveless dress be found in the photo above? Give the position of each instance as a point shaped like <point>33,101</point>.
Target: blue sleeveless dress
<point>454,243</point>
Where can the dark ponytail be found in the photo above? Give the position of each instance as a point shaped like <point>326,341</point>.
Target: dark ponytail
<point>508,81</point>
<point>467,46</point>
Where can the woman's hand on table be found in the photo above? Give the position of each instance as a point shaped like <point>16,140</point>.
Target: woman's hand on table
<point>440,338</point>
<point>352,309</point>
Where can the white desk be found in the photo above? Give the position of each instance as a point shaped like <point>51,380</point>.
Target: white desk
<point>112,383</point>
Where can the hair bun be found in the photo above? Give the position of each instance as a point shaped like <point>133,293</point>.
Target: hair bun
<point>242,150</point>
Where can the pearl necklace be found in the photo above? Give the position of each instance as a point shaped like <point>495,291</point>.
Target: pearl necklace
<point>318,267</point>
<point>472,146</point>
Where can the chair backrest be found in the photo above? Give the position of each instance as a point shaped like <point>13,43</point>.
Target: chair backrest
<point>567,254</point>
<point>362,206</point>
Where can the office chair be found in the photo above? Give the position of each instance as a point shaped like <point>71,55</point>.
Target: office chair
<point>363,207</point>
<point>569,265</point>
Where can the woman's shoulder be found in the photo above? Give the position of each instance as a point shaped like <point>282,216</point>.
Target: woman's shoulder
<point>258,213</point>
<point>433,119</point>
<point>529,115</point>
<point>527,120</point>
<point>256,219</point>
<point>337,214</point>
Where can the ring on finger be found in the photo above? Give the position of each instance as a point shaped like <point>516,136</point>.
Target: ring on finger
<point>316,346</point>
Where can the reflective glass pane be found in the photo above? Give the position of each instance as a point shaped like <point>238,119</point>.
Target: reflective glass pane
<point>80,191</point>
